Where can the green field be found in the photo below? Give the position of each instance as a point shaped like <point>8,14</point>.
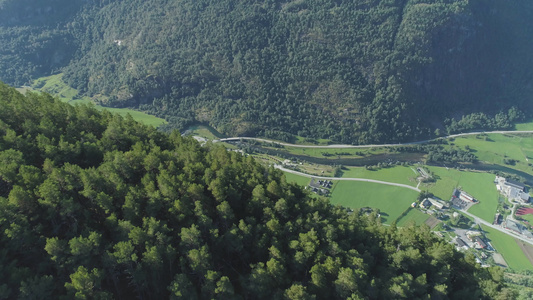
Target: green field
<point>510,250</point>
<point>524,126</point>
<point>300,140</point>
<point>414,215</point>
<point>334,152</point>
<point>498,147</point>
<point>398,174</point>
<point>204,131</point>
<point>391,200</point>
<point>55,86</point>
<point>301,180</point>
<point>480,185</point>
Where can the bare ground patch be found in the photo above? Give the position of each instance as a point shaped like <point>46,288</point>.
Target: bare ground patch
<point>527,249</point>
<point>498,259</point>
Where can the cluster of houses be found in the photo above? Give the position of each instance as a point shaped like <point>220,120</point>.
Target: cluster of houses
<point>320,187</point>
<point>513,190</point>
<point>475,238</point>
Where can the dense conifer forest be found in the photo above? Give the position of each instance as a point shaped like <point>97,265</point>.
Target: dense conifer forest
<point>352,71</point>
<point>97,206</point>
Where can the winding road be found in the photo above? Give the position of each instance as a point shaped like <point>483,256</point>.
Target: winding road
<point>367,146</point>
<point>476,219</point>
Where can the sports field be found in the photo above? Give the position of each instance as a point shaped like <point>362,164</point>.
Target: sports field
<point>398,174</point>
<point>480,185</point>
<point>507,246</point>
<point>390,200</point>
<point>414,215</point>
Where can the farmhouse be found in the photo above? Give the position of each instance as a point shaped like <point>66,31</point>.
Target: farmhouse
<point>480,242</point>
<point>425,204</point>
<point>437,203</point>
<point>513,190</point>
<point>512,225</point>
<point>461,244</point>
<point>465,197</point>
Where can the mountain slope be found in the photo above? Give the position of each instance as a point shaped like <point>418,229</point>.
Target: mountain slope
<point>351,71</point>
<point>94,206</point>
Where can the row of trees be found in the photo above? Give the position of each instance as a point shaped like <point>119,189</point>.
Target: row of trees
<point>95,206</point>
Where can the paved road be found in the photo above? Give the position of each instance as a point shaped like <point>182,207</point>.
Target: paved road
<point>508,232</point>
<point>347,179</point>
<point>476,219</point>
<point>366,146</point>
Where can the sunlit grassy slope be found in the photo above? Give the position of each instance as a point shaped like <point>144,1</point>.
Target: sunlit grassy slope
<point>55,86</point>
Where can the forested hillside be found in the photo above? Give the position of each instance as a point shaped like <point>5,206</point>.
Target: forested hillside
<point>351,71</point>
<point>95,206</point>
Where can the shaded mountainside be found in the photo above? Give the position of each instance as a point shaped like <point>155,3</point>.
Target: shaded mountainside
<point>351,71</point>
<point>95,206</point>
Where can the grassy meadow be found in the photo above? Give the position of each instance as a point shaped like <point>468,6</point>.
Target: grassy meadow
<point>333,152</point>
<point>480,185</point>
<point>301,180</point>
<point>55,86</point>
<point>204,131</point>
<point>524,126</point>
<point>507,246</point>
<point>392,201</point>
<point>414,215</point>
<point>495,148</point>
<point>397,174</point>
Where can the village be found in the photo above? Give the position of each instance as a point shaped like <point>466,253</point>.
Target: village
<point>466,234</point>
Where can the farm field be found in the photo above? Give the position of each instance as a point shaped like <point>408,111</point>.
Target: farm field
<point>524,126</point>
<point>414,215</point>
<point>507,246</point>
<point>392,201</point>
<point>55,86</point>
<point>479,185</point>
<point>398,174</point>
<point>333,152</point>
<point>497,147</point>
<point>301,180</point>
<point>136,115</point>
<point>204,131</point>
